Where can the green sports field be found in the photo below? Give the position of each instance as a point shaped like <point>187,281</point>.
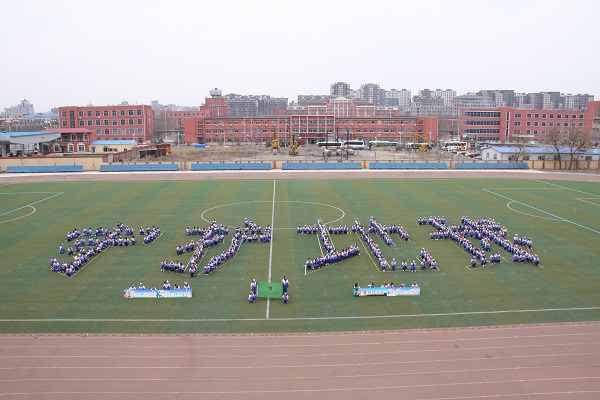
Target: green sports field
<point>561,217</point>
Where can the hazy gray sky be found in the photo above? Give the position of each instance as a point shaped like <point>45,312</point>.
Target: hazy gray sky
<point>79,52</point>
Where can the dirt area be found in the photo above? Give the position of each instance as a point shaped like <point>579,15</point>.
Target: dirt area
<point>307,152</point>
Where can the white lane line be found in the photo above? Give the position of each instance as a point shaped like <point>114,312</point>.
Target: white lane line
<point>196,320</point>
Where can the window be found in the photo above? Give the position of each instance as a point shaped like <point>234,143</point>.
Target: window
<point>518,115</point>
<point>131,131</point>
<point>517,123</point>
<point>536,123</point>
<point>114,122</point>
<point>140,131</point>
<point>528,115</point>
<point>81,123</point>
<point>107,131</point>
<point>106,113</point>
<point>566,116</point>
<point>73,137</point>
<point>536,115</point>
<point>138,112</point>
<point>544,116</point>
<point>90,122</point>
<point>131,121</point>
<point>122,122</point>
<point>89,113</point>
<point>97,113</point>
<point>115,131</point>
<point>139,121</point>
<point>528,123</point>
<point>64,124</point>
<point>114,113</point>
<point>551,116</point>
<point>130,113</point>
<point>559,116</point>
<point>122,113</point>
<point>543,123</point>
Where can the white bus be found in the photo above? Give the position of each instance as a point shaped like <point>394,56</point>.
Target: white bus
<point>454,145</point>
<point>382,144</point>
<point>354,144</point>
<point>332,143</point>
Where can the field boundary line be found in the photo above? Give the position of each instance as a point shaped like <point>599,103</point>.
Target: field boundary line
<point>566,188</point>
<point>194,320</point>
<point>271,245</point>
<point>540,210</point>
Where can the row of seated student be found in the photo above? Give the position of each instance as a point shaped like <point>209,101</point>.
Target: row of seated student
<point>307,230</point>
<point>429,220</point>
<point>338,230</point>
<point>332,257</point>
<point>83,251</point>
<point>377,228</point>
<point>387,285</point>
<point>166,286</point>
<point>381,261</point>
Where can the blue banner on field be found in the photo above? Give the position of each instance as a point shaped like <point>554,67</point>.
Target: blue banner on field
<point>153,294</point>
<point>382,291</point>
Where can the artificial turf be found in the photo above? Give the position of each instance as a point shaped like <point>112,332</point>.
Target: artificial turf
<point>561,217</point>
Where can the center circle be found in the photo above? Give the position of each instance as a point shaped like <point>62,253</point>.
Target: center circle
<point>341,212</point>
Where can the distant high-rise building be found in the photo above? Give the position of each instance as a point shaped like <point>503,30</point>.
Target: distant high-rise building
<point>338,89</point>
<point>371,92</point>
<point>399,98</point>
<point>502,98</point>
<point>23,108</point>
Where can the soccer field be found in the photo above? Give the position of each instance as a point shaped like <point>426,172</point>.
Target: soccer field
<point>561,217</point>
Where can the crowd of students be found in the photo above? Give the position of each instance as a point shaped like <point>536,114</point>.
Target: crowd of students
<point>330,255</point>
<point>486,231</point>
<point>398,230</point>
<point>86,245</point>
<point>376,227</point>
<point>358,228</point>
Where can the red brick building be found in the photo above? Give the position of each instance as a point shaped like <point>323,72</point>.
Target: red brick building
<point>509,124</point>
<point>128,122</point>
<point>340,118</point>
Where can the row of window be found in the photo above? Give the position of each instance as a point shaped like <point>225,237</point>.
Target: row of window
<point>482,131</point>
<point>551,116</point>
<point>105,113</point>
<point>535,132</point>
<point>310,122</point>
<point>132,131</point>
<point>543,123</point>
<point>483,114</point>
<point>99,122</point>
<point>310,130</point>
<point>482,122</point>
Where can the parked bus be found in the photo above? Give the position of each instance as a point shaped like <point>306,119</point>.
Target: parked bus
<point>382,144</point>
<point>418,146</point>
<point>329,144</point>
<point>354,144</point>
<point>454,145</point>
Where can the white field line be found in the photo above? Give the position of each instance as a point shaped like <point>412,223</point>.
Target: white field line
<point>30,205</point>
<point>540,210</point>
<point>196,320</point>
<point>271,245</point>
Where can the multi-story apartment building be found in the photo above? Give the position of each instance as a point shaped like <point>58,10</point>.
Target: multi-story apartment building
<point>508,124</point>
<point>338,89</point>
<point>123,122</point>
<point>397,98</point>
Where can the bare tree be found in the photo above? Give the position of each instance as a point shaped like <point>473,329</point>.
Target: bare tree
<point>520,145</point>
<point>575,142</point>
<point>555,140</point>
